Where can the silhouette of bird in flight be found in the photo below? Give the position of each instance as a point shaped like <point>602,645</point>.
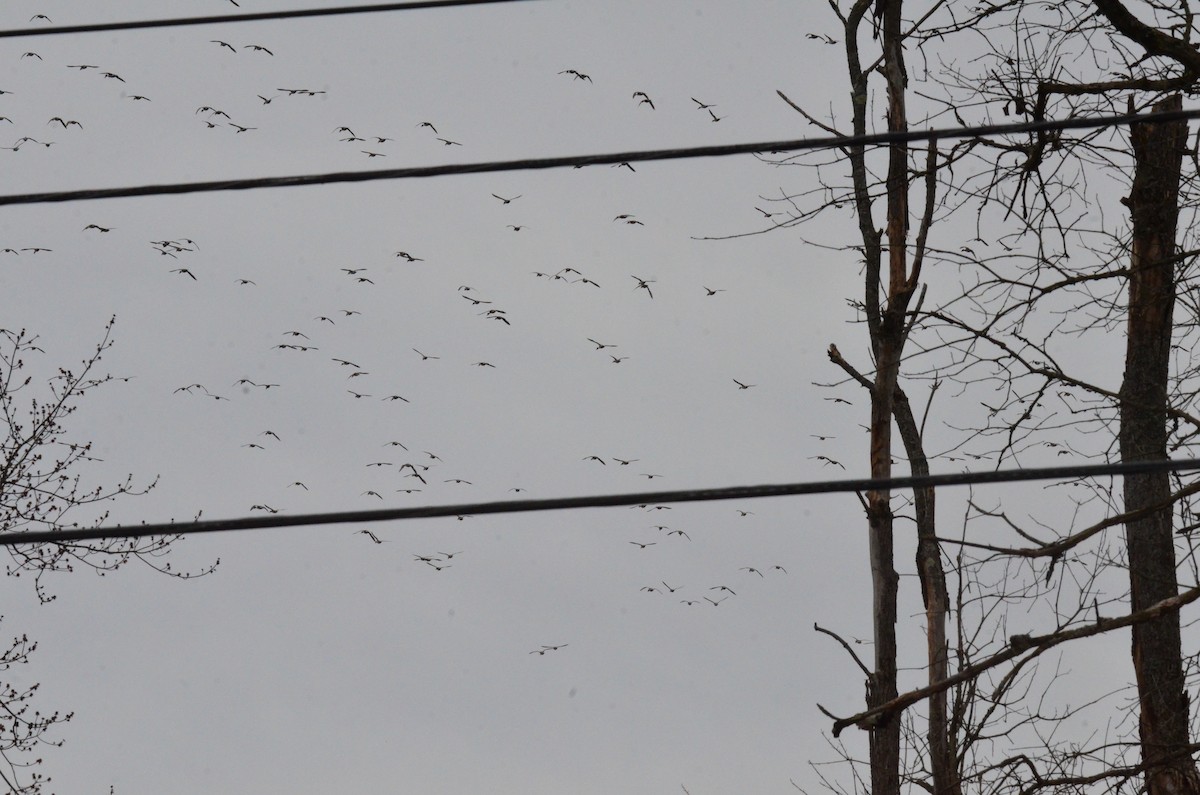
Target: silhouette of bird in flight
<point>595,458</point>
<point>711,291</point>
<point>425,357</point>
<point>98,228</point>
<point>224,44</point>
<point>65,124</point>
<point>826,461</point>
<point>506,201</point>
<point>429,125</point>
<point>185,272</point>
<point>641,545</point>
<point>111,76</point>
<point>645,99</point>
<point>82,66</point>
<point>617,359</point>
<point>702,106</point>
<point>715,117</point>
<point>576,75</point>
<point>408,256</point>
<point>370,535</point>
<point>258,48</point>
<point>751,570</point>
<point>601,345</point>
<point>545,649</point>
<point>643,284</point>
<point>448,142</point>
<point>741,385</point>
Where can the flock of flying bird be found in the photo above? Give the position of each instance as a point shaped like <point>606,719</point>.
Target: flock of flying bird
<point>357,379</point>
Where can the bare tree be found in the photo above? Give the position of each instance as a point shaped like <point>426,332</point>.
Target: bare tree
<point>1045,276</point>
<point>42,487</point>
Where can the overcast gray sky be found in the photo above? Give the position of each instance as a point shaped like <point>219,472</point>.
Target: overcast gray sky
<point>315,660</point>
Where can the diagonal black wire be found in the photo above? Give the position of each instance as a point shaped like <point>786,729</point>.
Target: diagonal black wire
<point>259,16</point>
<point>599,501</point>
<point>794,145</point>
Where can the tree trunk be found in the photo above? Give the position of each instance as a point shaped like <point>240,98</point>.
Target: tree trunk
<point>888,344</point>
<point>1157,661</point>
<point>943,748</point>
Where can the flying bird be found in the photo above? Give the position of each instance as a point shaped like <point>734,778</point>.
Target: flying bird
<point>645,99</point>
<point>257,48</point>
<point>576,75</point>
<point>741,385</point>
<point>224,44</point>
<point>506,201</point>
<point>643,284</point>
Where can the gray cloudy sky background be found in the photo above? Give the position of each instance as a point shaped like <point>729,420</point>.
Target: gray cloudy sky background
<point>317,661</point>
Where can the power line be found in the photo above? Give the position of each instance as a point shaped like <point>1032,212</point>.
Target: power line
<point>722,150</point>
<point>598,501</point>
<point>261,16</point>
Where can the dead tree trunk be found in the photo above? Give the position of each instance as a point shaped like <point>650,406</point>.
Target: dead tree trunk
<point>887,341</point>
<point>1157,658</point>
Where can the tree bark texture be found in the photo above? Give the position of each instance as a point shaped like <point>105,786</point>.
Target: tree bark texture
<point>1157,656</point>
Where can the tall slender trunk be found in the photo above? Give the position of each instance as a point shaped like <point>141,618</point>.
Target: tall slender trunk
<point>1157,659</point>
<point>943,749</point>
<point>888,344</point>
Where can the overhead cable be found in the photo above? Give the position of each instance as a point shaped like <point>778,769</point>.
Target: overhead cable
<point>616,159</point>
<point>648,499</point>
<point>261,16</point>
